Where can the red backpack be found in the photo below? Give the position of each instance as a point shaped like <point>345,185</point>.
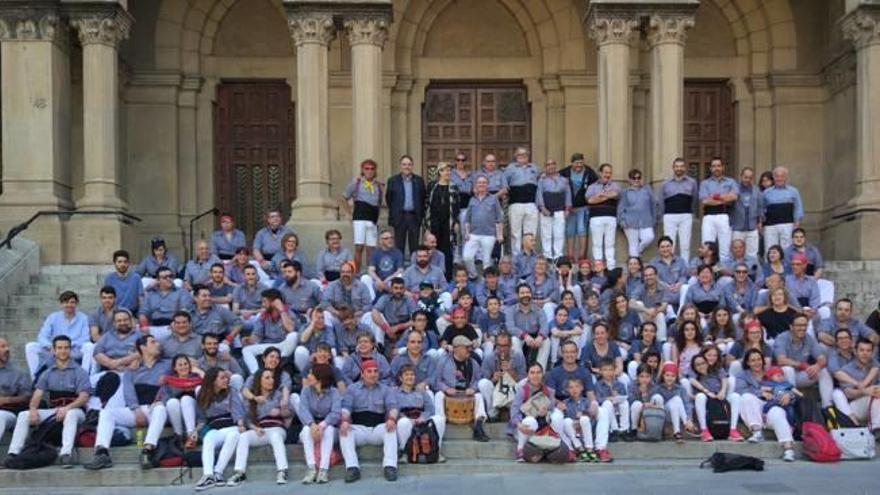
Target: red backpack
<point>819,446</point>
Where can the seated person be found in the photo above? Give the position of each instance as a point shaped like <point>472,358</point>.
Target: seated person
<point>299,293</point>
<point>385,264</point>
<point>391,315</point>
<point>319,411</point>
<point>491,286</point>
<point>214,319</point>
<point>526,322</point>
<point>864,393</point>
<point>15,389</point>
<point>804,288</point>
<point>346,290</point>
<point>331,257</point>
<point>414,356</point>
<point>842,318</point>
<point>802,359</point>
<point>460,328</point>
<point>267,240</point>
<point>159,257</point>
<point>227,240</point>
<point>545,288</point>
<point>316,332</point>
<point>290,252</point>
<point>346,331</point>
<point>436,258</point>
<point>221,289</point>
<point>238,264</point>
<point>116,350</point>
<point>68,321</point>
<point>502,370</point>
<point>422,271</point>
<point>650,300</point>
<point>101,320</point>
<point>799,245</point>
<point>353,366</point>
<point>182,340</point>
<point>161,301</point>
<point>431,343</point>
<point>275,327</point>
<point>779,392</point>
<point>247,298</point>
<point>524,261</point>
<point>198,269</point>
<point>457,376</point>
<point>416,406</point>
<point>612,396</point>
<point>125,281</point>
<point>212,357</point>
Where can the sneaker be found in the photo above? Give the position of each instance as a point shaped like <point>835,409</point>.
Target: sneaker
<point>281,477</point>
<point>788,455</point>
<point>236,479</point>
<point>402,459</point>
<point>390,473</point>
<point>441,458</point>
<point>9,457</point>
<point>311,476</point>
<point>679,438</point>
<point>219,480</point>
<point>612,436</point>
<point>205,482</point>
<point>323,476</point>
<point>756,437</point>
<point>628,436</point>
<point>706,436</point>
<point>352,474</point>
<point>583,456</point>
<point>100,461</point>
<point>735,436</point>
<point>479,433</point>
<point>604,456</point>
<point>572,457</point>
<point>146,459</point>
<point>66,461</point>
<point>592,456</point>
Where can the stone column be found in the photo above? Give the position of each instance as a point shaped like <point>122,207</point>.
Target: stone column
<point>35,85</point>
<point>100,33</point>
<point>366,35</point>
<point>667,34</point>
<point>312,33</point>
<point>862,27</point>
<point>612,32</point>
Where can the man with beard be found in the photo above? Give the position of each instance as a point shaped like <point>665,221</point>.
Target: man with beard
<point>221,289</point>
<point>115,350</point>
<point>391,315</point>
<point>718,194</point>
<point>15,389</point>
<point>385,264</point>
<point>423,271</point>
<point>677,201</point>
<point>161,302</point>
<point>66,386</point>
<point>275,327</point>
<point>101,320</point>
<point>842,318</point>
<point>140,388</point>
<point>213,358</point>
<point>745,220</point>
<point>502,369</point>
<point>182,339</point>
<point>127,284</point>
<point>346,291</point>
<point>457,376</point>
<point>299,293</point>
<point>246,298</point>
<point>210,318</point>
<point>435,256</point>
<point>529,327</point>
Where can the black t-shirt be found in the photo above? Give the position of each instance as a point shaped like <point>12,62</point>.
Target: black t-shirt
<point>464,372</point>
<point>873,321</point>
<point>776,323</point>
<point>451,332</point>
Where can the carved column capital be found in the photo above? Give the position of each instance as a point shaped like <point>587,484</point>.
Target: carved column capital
<point>862,27</point>
<point>32,24</point>
<point>369,30</point>
<point>315,28</point>
<point>669,28</point>
<point>102,28</point>
<point>611,28</point>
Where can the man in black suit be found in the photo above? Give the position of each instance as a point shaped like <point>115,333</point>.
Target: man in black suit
<point>405,197</point>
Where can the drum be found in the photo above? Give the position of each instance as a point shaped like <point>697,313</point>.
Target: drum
<point>459,409</point>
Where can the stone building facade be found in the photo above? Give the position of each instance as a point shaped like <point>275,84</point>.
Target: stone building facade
<point>167,108</point>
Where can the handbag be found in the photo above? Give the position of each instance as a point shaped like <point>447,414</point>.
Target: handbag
<point>504,392</point>
<point>854,443</point>
<point>545,439</point>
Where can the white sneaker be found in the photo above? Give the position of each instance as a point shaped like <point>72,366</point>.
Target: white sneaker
<point>205,482</point>
<point>788,455</point>
<point>756,437</point>
<point>281,477</point>
<point>311,474</point>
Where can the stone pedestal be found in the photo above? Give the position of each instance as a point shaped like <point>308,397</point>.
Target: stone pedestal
<point>666,38</point>
<point>366,35</point>
<point>612,32</point>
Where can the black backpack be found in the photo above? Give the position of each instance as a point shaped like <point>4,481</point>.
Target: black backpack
<point>834,419</point>
<point>808,411</point>
<point>423,446</point>
<point>718,418</point>
<point>722,462</point>
<point>39,450</point>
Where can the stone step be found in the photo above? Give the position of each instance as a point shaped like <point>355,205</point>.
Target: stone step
<point>74,270</point>
<point>50,302</point>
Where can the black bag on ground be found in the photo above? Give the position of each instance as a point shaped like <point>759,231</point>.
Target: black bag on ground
<point>808,410</point>
<point>293,430</point>
<point>423,444</point>
<point>722,462</point>
<point>168,453</point>
<point>39,450</point>
<point>835,420</point>
<point>718,418</point>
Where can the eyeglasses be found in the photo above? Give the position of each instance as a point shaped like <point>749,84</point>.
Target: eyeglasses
<point>385,237</point>
<point>637,177</point>
<point>742,271</point>
<point>459,159</point>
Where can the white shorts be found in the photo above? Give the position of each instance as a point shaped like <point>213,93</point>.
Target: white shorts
<point>365,232</point>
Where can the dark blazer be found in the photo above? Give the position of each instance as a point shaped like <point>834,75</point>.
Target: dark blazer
<point>578,197</point>
<point>394,197</point>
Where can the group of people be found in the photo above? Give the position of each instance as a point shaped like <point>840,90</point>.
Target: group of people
<point>239,342</point>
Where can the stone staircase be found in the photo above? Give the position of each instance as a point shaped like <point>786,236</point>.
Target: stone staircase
<point>857,280</point>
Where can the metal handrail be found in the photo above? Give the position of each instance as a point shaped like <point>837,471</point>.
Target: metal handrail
<point>18,229</point>
<point>214,211</point>
<point>856,212</point>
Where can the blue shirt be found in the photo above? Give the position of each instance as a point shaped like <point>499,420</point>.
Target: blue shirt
<point>77,328</point>
<point>386,261</point>
<point>721,185</point>
<point>686,186</point>
<point>781,195</point>
<point>128,289</point>
<point>149,266</point>
<point>268,241</point>
<point>747,209</point>
<point>407,192</point>
<point>221,245</point>
<point>635,210</point>
<point>483,214</point>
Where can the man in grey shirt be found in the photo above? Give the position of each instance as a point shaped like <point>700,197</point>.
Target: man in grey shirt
<point>745,221</point>
<point>483,226</point>
<point>528,326</point>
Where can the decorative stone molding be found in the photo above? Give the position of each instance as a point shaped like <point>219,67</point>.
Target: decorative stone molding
<point>840,74</point>
<point>369,30</point>
<point>102,28</point>
<point>669,28</point>
<point>612,28</point>
<point>862,27</point>
<point>32,25</point>
<point>311,28</point>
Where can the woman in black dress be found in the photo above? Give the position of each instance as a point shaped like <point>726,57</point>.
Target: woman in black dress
<point>441,212</point>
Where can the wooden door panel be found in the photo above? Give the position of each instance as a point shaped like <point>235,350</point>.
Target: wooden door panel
<point>255,167</point>
<point>709,127</point>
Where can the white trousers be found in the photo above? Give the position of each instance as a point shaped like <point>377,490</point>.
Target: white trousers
<point>271,436</point>
<point>557,423</point>
<point>487,389</point>
<point>750,237</point>
<point>602,236</point>
<point>618,414</point>
<point>702,399</point>
<point>543,350</point>
<point>860,409</point>
<point>227,440</point>
<point>750,410</point>
<point>553,234</point>
<point>249,353</point>
<point>676,412</point>
<point>478,244</point>
<point>33,352</point>
<point>523,220</point>
<point>326,448</point>
<point>841,402</point>
<point>479,405</point>
<point>716,228</point>
<point>679,224</point>
<point>109,418</point>
<point>7,422</point>
<point>779,234</point>
<point>800,379</point>
<point>366,435</point>
<point>636,408</point>
<point>405,427</point>
<point>68,434</point>
<point>638,240</point>
<point>602,423</point>
<point>182,414</point>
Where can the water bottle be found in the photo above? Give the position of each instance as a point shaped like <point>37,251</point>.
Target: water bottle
<point>139,437</point>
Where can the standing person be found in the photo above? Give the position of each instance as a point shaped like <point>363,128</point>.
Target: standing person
<point>635,214</point>
<point>580,176</point>
<point>718,194</point>
<point>405,196</point>
<point>746,217</point>
<point>677,202</point>
<point>66,388</point>
<point>483,226</point>
<point>495,177</point>
<point>267,241</point>
<point>363,196</point>
<point>227,239</point>
<point>319,408</point>
<point>462,179</point>
<point>15,389</point>
<point>521,184</point>
<point>554,203</point>
<point>441,213</point>
<point>602,197</point>
<point>221,413</point>
<point>783,210</point>
<point>127,284</point>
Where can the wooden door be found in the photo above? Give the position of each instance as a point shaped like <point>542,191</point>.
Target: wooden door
<point>254,143</point>
<point>709,129</point>
<point>474,118</point>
